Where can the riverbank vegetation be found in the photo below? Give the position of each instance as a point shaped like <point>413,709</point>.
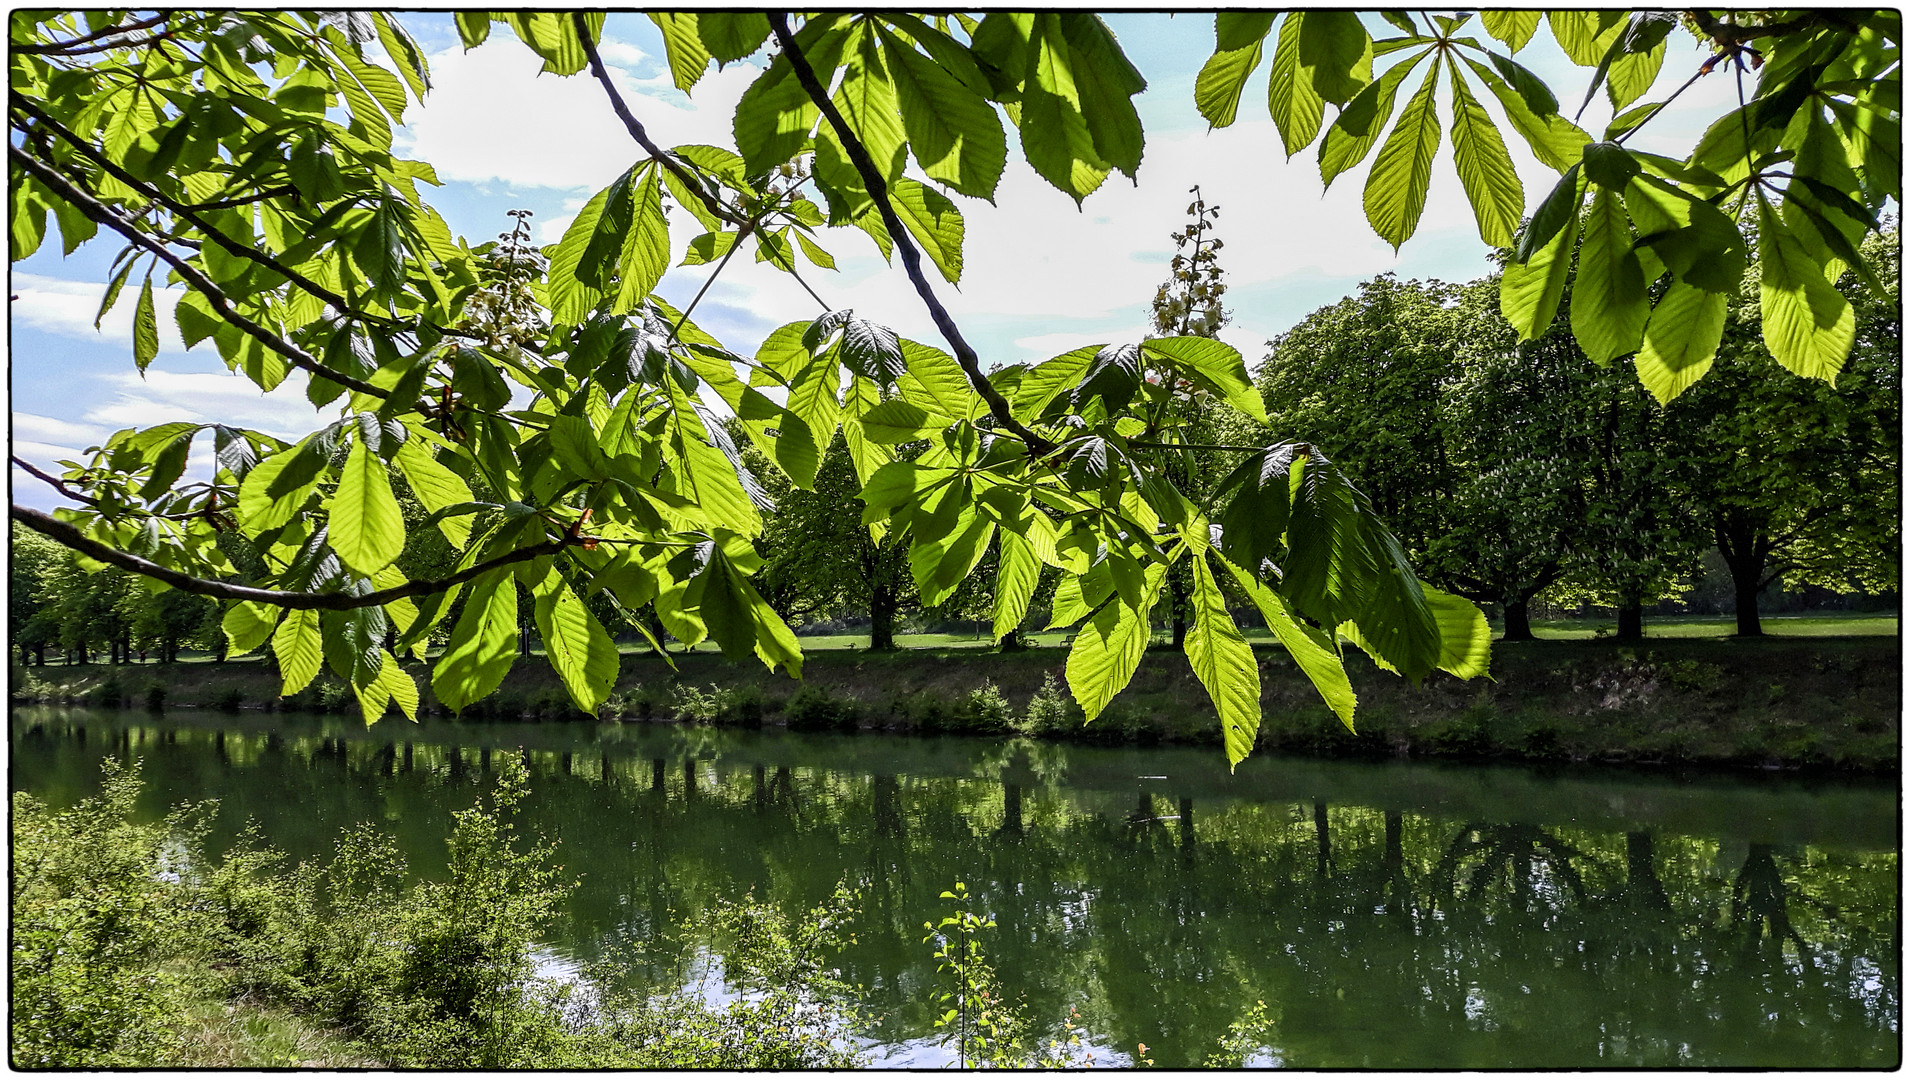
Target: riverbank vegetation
<point>1815,703</point>
<point>133,949</point>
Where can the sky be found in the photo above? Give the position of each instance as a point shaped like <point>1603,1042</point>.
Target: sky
<point>1041,277</point>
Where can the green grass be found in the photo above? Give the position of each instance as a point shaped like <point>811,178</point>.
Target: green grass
<point>1853,624</point>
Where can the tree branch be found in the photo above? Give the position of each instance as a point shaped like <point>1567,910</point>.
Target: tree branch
<point>70,535</point>
<point>243,251</point>
<point>104,215</point>
<point>635,128</point>
<point>1732,34</point>
<point>899,234</point>
<point>54,482</point>
<point>67,48</point>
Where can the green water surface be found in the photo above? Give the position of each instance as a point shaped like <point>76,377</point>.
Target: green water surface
<point>1388,915</point>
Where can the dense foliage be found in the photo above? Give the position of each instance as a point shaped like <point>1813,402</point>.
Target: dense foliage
<point>122,929</point>
<point>249,157</point>
<point>1510,469</point>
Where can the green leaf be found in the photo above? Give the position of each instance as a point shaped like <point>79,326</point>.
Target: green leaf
<point>1515,28</point>
<point>775,116</point>
<point>936,382</point>
<point>898,421</point>
<point>1054,134</point>
<point>1336,53</point>
<point>953,131</point>
<point>1555,141</point>
<point>1808,325</point>
<point>1632,74</point>
<point>934,222</point>
<point>473,28</point>
<point>939,565</point>
<point>1018,572</point>
<point>1585,36</point>
<point>247,624</point>
<point>1108,648</point>
<point>731,36</point>
<point>1239,38</point>
<point>1609,302</point>
<point>1216,363</point>
<point>436,487</point>
<point>683,46</point>
<point>576,448</point>
<point>1294,103</point>
<point>1310,648</point>
<point>297,645</point>
<point>367,528</point>
<point>1224,663</point>
<point>1485,169</point>
<point>579,650</point>
<point>397,687</point>
<point>1396,188</point>
<point>145,328</point>
<point>1357,128</point>
<point>1106,83</point>
<point>1465,640</point>
<point>646,247</point>
<point>570,298</point>
<point>1681,339</point>
<point>483,643</point>
<point>277,487</point>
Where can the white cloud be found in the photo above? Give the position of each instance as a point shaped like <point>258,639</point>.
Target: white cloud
<point>165,396</point>
<point>65,435</point>
<point>491,116</point>
<point>67,308</point>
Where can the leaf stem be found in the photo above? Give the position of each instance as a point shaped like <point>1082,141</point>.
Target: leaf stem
<point>899,234</point>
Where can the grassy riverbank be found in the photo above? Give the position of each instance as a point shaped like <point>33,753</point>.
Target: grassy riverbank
<point>1817,703</point>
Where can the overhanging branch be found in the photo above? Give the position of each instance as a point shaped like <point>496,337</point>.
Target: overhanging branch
<point>899,234</point>
<point>70,536</point>
<point>104,215</point>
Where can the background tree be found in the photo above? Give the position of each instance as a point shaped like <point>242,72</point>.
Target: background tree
<point>1514,511</point>
<point>1797,477</point>
<point>1362,379</point>
<point>1639,538</point>
<point>32,624</point>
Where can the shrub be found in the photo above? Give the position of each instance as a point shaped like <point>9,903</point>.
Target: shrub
<point>92,911</point>
<point>815,709</point>
<point>1050,711</point>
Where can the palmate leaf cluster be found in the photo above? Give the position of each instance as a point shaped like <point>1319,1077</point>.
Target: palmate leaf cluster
<point>548,409</point>
<point>1814,153</point>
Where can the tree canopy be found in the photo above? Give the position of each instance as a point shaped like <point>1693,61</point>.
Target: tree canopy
<point>548,409</point>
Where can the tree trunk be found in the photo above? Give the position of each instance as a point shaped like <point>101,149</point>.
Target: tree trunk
<point>1012,642</point>
<point>1745,583</point>
<point>1631,622</point>
<point>882,607</point>
<point>1518,620</point>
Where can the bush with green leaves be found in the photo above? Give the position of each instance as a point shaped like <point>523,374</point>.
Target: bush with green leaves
<point>97,905</point>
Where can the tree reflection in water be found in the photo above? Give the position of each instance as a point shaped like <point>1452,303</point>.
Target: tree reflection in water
<point>1389,917</point>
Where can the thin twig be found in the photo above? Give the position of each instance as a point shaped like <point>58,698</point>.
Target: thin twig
<point>1703,69</point>
<point>911,259</point>
<point>1196,446</point>
<point>71,536</point>
<point>104,215</point>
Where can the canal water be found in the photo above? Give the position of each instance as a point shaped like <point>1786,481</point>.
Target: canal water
<point>1391,915</point>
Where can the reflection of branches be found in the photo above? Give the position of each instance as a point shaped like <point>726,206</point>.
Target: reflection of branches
<point>1759,901</point>
<point>1506,847</point>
